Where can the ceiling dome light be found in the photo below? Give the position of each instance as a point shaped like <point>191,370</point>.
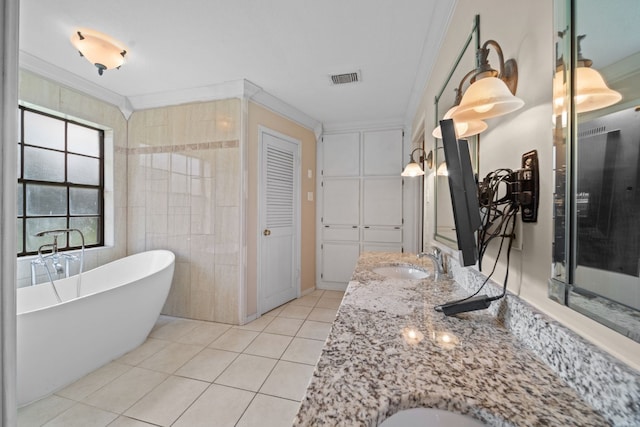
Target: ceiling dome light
<point>101,50</point>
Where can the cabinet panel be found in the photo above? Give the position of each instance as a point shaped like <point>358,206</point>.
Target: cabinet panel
<point>340,233</point>
<point>382,235</point>
<point>341,201</point>
<point>382,152</point>
<point>379,247</point>
<point>341,154</point>
<point>339,261</point>
<point>382,201</point>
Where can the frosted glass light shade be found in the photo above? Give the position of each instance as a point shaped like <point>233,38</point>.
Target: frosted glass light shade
<point>412,169</point>
<point>442,169</point>
<point>592,93</point>
<point>463,128</point>
<point>486,98</point>
<point>100,49</point>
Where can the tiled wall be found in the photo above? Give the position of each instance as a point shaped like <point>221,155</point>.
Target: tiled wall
<point>184,195</point>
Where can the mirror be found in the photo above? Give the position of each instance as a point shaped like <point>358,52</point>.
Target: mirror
<point>445,99</point>
<point>596,252</point>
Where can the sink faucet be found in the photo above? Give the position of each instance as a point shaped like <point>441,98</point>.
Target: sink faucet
<point>436,257</point>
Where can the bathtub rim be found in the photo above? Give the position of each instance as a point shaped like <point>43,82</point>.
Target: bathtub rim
<point>171,260</point>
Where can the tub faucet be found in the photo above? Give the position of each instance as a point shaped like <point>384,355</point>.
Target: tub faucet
<point>436,257</point>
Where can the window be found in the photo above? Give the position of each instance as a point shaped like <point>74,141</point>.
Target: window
<point>60,181</point>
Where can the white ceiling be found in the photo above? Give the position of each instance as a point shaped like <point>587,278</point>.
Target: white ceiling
<point>287,47</point>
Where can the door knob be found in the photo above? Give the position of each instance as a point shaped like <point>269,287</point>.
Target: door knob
<point>266,232</point>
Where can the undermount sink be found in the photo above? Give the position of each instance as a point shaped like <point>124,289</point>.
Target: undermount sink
<point>401,272</point>
<point>429,417</point>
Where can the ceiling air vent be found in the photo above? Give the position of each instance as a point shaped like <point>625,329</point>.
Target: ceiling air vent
<point>340,79</point>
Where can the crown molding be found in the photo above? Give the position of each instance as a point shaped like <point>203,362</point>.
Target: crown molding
<point>232,89</point>
<point>397,123</point>
<point>265,99</point>
<point>63,77</point>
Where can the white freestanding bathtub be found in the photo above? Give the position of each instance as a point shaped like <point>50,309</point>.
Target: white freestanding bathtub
<point>119,303</point>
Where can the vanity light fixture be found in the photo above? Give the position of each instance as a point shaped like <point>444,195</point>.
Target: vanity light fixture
<point>464,128</point>
<point>101,50</point>
<point>442,169</point>
<point>592,92</point>
<point>491,93</point>
<point>413,168</point>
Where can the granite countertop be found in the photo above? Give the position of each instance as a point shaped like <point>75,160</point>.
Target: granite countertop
<point>389,350</point>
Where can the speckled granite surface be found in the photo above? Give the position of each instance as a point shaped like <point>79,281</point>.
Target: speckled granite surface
<point>389,350</point>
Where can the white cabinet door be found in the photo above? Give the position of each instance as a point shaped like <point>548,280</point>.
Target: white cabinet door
<point>382,201</point>
<point>341,154</point>
<point>339,261</point>
<point>341,201</point>
<point>382,152</point>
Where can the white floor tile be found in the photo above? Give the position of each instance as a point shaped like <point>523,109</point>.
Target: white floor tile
<point>307,301</point>
<point>303,350</point>
<point>234,340</point>
<point>269,411</point>
<point>323,314</point>
<point>219,405</point>
<point>333,294</point>
<point>284,326</point>
<point>127,389</point>
<point>288,380</point>
<point>204,334</point>
<point>150,347</point>
<point>170,358</point>
<point>268,345</point>
<point>317,293</point>
<point>164,404</point>
<point>38,413</point>
<point>314,330</point>
<point>175,329</point>
<point>247,372</point>
<point>295,312</point>
<point>275,311</point>
<point>93,381</point>
<point>207,365</point>
<point>257,325</point>
<point>81,415</point>
<point>122,421</point>
<point>326,302</point>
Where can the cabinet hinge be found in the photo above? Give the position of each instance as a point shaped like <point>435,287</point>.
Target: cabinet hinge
<point>322,220</point>
<point>402,250</point>
<point>321,246</point>
<point>403,221</point>
<point>321,276</point>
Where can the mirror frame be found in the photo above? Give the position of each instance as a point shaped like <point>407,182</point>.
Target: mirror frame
<point>474,141</point>
<point>562,285</point>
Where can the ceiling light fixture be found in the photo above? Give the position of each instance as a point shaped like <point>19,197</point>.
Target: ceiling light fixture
<point>491,93</point>
<point>101,50</point>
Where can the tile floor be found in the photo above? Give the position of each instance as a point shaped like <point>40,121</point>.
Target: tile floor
<point>192,373</point>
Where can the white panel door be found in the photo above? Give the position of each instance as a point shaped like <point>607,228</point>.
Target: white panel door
<point>341,154</point>
<point>341,201</point>
<point>279,235</point>
<point>382,201</point>
<point>382,152</point>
